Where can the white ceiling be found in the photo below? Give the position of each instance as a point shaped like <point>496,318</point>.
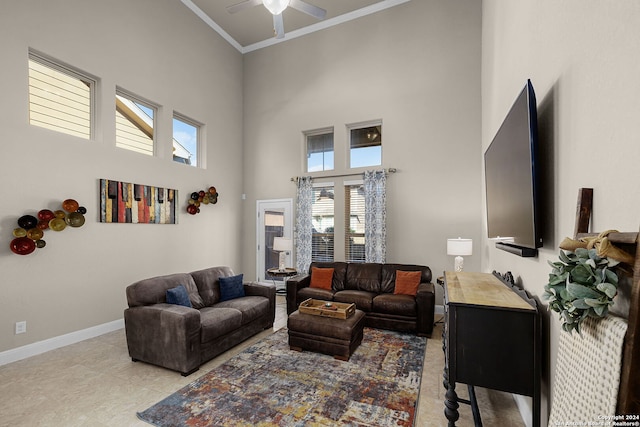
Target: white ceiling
<point>252,28</point>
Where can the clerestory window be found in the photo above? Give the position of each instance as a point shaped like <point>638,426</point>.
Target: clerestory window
<point>319,150</point>
<point>365,145</point>
<point>135,123</point>
<point>186,140</point>
<point>60,97</point>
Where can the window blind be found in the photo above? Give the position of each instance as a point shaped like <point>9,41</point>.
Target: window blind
<point>354,223</point>
<point>322,236</point>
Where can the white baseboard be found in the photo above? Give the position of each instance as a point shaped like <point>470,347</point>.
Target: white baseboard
<point>40,347</point>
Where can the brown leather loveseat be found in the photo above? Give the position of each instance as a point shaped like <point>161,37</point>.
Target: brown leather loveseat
<point>371,287</point>
<point>182,335</point>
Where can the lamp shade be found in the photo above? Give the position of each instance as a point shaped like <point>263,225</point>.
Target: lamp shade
<point>282,244</point>
<point>459,246</point>
<point>276,7</point>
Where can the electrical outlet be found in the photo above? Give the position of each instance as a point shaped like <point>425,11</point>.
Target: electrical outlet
<point>21,327</point>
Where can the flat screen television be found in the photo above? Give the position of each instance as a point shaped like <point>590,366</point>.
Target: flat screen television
<point>511,174</point>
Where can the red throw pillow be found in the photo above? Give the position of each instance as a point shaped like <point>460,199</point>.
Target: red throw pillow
<point>321,278</point>
<point>407,282</point>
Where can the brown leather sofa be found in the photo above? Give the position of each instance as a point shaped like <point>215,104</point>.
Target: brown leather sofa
<point>182,338</point>
<point>371,286</point>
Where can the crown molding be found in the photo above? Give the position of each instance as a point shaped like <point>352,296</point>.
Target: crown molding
<point>210,22</point>
<point>359,13</point>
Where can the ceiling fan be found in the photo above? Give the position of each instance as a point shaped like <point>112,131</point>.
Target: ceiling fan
<point>276,7</point>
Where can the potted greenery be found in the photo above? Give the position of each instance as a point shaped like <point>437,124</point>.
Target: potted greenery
<point>581,284</point>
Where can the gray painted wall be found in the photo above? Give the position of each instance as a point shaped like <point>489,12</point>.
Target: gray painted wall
<point>157,49</point>
<point>408,66</point>
<point>582,59</point>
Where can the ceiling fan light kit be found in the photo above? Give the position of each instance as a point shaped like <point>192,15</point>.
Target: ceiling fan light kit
<point>276,7</point>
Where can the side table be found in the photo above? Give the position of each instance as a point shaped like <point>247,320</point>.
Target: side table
<point>287,272</point>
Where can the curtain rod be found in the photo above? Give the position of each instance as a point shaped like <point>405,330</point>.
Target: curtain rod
<point>386,171</point>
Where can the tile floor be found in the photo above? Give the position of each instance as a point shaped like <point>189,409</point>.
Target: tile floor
<point>95,383</point>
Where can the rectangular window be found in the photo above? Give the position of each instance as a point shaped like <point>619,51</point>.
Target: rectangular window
<point>319,150</point>
<point>365,146</point>
<point>60,98</point>
<point>186,140</point>
<point>134,123</point>
<point>354,222</point>
<point>322,211</point>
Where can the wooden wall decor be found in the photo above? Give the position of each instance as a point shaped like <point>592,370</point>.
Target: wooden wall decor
<point>629,298</point>
<point>137,204</point>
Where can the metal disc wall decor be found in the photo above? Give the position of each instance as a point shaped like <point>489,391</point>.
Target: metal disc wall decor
<point>29,235</point>
<point>202,197</point>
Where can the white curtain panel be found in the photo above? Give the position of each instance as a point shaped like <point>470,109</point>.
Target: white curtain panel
<point>375,213</point>
<point>304,224</point>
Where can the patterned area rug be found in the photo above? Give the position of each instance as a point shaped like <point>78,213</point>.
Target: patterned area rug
<point>270,385</point>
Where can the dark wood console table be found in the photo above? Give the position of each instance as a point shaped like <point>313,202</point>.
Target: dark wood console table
<point>491,339</point>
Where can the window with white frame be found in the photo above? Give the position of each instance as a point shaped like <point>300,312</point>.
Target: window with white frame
<point>322,213</point>
<point>60,98</point>
<point>186,140</point>
<point>135,121</point>
<point>319,146</point>
<point>365,145</point>
<point>354,222</point>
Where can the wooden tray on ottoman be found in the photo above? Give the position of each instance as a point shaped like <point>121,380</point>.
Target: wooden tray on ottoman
<point>338,310</point>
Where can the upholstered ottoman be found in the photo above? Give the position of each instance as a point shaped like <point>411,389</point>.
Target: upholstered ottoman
<point>336,337</point>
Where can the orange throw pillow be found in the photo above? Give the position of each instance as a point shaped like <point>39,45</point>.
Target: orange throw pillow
<point>321,278</point>
<point>407,282</point>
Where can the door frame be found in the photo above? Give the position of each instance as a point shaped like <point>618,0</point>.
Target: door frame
<point>287,204</point>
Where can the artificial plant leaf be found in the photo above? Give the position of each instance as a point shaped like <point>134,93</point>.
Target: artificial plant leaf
<point>564,257</point>
<point>558,289</point>
<point>612,277</point>
<point>580,291</point>
<point>601,310</point>
<point>612,262</point>
<point>580,303</point>
<point>582,273</point>
<point>557,280</point>
<point>556,264</point>
<point>609,289</point>
<point>582,253</point>
<point>592,302</point>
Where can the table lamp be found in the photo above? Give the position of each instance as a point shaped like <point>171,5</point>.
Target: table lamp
<point>282,245</point>
<point>459,247</point>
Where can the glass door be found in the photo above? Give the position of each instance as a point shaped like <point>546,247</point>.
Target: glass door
<point>275,219</point>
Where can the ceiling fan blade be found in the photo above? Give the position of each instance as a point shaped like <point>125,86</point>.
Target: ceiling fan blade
<point>278,26</point>
<point>309,9</point>
<point>243,5</point>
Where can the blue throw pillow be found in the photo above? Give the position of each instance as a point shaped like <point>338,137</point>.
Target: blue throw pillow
<point>231,287</point>
<point>179,296</point>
